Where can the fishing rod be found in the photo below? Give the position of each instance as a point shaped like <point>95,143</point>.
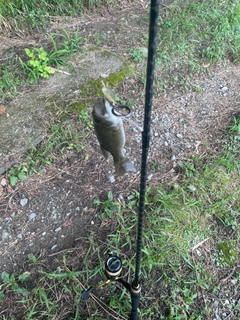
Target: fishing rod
<point>113,264</point>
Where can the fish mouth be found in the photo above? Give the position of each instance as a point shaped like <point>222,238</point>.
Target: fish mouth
<point>103,108</point>
<point>100,108</point>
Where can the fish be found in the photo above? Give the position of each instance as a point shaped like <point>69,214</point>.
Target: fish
<point>110,133</point>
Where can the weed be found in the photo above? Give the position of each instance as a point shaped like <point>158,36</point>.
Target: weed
<point>108,207</point>
<point>64,44</point>
<point>101,38</point>
<point>235,127</point>
<point>11,282</point>
<point>188,168</point>
<point>86,119</point>
<point>156,165</point>
<point>38,64</point>
<point>198,89</point>
<point>19,173</point>
<point>137,55</point>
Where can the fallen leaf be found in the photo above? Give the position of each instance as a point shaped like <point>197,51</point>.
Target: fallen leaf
<point>3,182</point>
<point>9,189</point>
<point>2,109</point>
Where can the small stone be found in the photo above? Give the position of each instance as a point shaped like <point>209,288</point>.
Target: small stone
<point>149,177</point>
<point>5,235</point>
<point>3,182</point>
<point>54,247</point>
<point>92,222</point>
<point>234,281</point>
<point>23,202</point>
<point>111,178</point>
<point>224,88</point>
<point>19,236</point>
<point>58,229</point>
<point>179,135</point>
<point>192,188</point>
<point>32,216</point>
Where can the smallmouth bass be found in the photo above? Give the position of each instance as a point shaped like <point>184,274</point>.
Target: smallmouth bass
<point>110,133</point>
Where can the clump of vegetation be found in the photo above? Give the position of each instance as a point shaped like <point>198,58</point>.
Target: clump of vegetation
<point>38,64</point>
<point>12,283</point>
<point>36,14</point>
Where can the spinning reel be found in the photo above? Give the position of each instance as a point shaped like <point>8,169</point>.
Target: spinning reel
<point>113,270</point>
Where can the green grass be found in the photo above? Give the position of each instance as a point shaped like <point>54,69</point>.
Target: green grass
<point>33,14</point>
<point>195,34</point>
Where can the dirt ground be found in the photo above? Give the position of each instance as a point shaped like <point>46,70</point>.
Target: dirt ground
<point>54,212</point>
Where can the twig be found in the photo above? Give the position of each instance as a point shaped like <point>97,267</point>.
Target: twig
<point>229,276</point>
<point>61,71</point>
<point>198,244</point>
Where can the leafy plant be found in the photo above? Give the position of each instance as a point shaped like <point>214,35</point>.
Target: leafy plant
<point>107,207</point>
<point>188,168</point>
<point>19,173</point>
<point>38,64</point>
<point>11,282</point>
<point>138,55</point>
<point>235,127</point>
<point>86,119</point>
<point>8,83</point>
<point>64,44</point>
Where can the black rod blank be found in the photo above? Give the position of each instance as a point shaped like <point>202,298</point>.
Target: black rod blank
<point>153,27</point>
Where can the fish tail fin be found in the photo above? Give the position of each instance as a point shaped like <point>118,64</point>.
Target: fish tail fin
<point>124,165</point>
